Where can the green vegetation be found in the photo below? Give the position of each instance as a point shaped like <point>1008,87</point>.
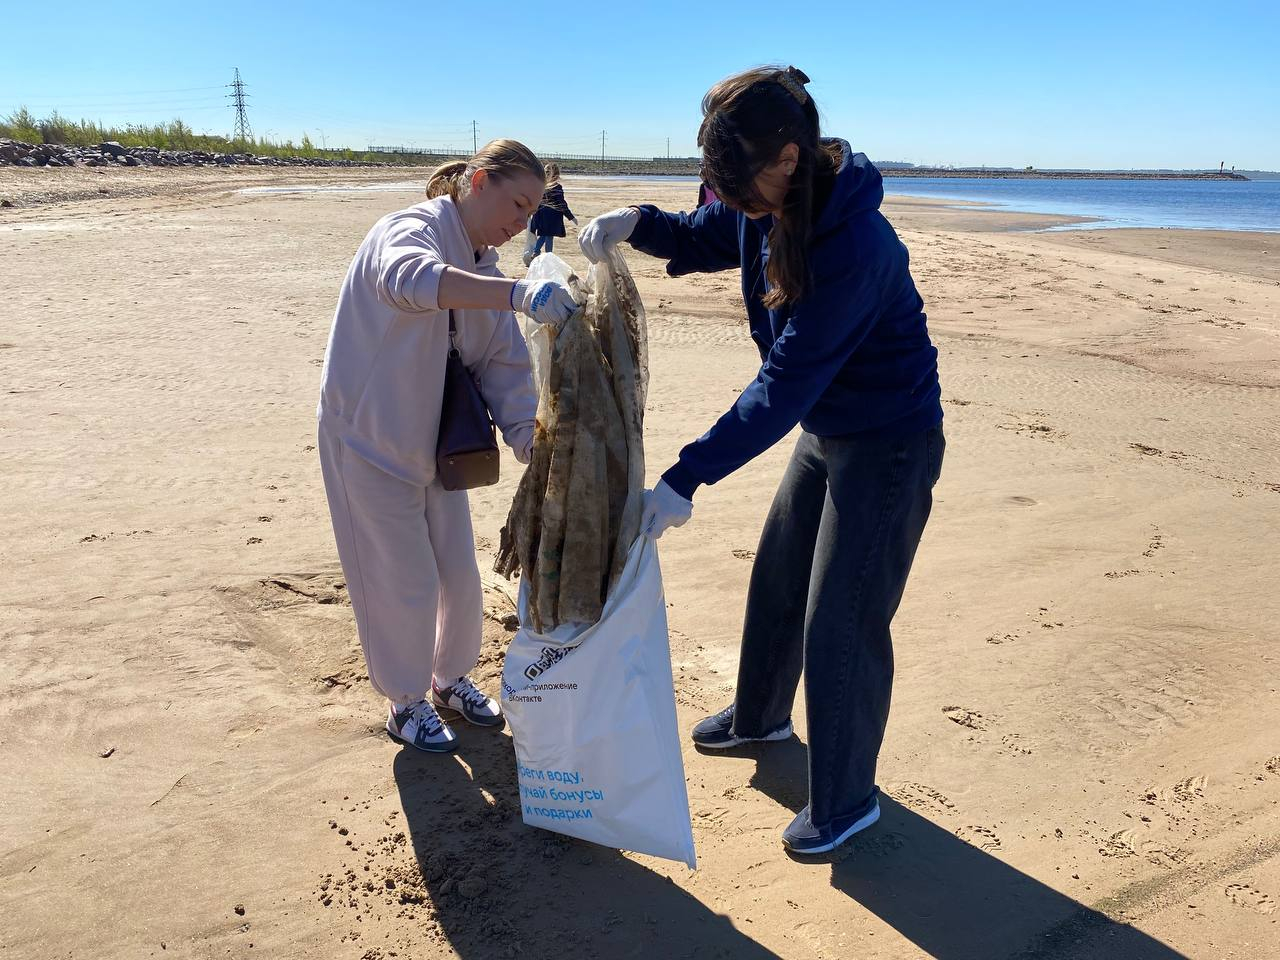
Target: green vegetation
<point>22,125</point>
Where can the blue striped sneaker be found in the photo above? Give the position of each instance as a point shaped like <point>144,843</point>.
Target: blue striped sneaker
<point>420,726</point>
<point>464,700</point>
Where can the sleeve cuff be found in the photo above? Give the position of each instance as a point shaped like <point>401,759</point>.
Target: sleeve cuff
<point>681,479</point>
<point>519,438</point>
<point>640,232</point>
<point>426,286</point>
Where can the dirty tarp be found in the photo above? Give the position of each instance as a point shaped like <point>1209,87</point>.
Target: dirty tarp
<point>576,511</point>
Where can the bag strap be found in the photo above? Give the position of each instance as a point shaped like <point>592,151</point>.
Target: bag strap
<point>455,355</point>
<point>453,339</point>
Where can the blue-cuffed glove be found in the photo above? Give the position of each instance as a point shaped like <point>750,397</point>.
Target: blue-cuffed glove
<point>663,509</point>
<point>544,300</point>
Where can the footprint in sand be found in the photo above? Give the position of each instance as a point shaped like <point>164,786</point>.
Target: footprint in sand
<point>998,638</point>
<point>1014,744</point>
<point>1189,790</point>
<point>318,587</point>
<point>1156,542</point>
<point>1130,843</point>
<point>966,717</point>
<point>1273,765</point>
<point>984,838</point>
<point>745,554</point>
<point>1121,844</point>
<point>919,796</point>
<point>1243,895</point>
<point>1183,792</point>
<point>876,843</point>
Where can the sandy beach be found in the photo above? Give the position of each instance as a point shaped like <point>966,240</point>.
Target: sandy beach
<point>1082,759</point>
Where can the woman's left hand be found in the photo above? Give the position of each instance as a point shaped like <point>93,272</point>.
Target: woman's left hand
<point>607,231</point>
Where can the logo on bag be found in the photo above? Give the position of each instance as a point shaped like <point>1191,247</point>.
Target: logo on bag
<point>550,657</point>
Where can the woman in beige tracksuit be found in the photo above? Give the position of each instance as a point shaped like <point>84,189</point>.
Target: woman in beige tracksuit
<point>405,542</point>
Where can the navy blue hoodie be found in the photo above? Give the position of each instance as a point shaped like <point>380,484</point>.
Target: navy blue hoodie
<point>852,357</point>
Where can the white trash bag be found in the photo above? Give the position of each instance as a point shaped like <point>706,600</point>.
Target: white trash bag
<point>593,715</point>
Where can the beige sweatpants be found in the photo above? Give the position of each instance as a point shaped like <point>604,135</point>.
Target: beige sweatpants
<point>409,558</point>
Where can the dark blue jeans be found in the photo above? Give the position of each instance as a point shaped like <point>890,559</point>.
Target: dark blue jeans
<point>832,564</point>
<point>544,243</point>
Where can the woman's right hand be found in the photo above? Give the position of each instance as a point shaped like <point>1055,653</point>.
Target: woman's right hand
<point>544,300</point>
<point>663,509</point>
<point>607,231</point>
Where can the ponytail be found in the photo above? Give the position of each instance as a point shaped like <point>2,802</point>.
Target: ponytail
<point>500,159</point>
<point>447,179</point>
<point>788,269</point>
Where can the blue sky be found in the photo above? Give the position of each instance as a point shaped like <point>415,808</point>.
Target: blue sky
<point>1087,84</point>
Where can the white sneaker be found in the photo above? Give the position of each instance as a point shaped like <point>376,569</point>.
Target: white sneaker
<point>464,700</point>
<point>420,726</point>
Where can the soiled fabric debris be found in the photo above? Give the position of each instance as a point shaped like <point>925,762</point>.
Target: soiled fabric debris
<point>576,511</point>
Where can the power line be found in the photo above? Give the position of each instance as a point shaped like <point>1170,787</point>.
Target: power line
<point>84,106</point>
<point>243,133</point>
<point>104,94</point>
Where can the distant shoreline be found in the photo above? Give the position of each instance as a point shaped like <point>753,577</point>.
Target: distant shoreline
<point>36,187</point>
<point>1051,174</point>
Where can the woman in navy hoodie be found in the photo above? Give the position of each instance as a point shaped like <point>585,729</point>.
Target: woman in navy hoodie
<point>846,356</point>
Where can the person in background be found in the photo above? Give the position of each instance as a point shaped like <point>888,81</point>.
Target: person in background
<point>548,222</point>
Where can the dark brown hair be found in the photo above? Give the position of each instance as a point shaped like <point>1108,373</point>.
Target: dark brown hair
<point>501,159</point>
<point>746,121</point>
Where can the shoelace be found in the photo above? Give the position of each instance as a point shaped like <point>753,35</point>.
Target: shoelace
<point>467,692</point>
<point>427,718</point>
<point>726,713</point>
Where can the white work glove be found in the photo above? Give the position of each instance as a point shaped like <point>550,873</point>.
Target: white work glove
<point>544,300</point>
<point>606,231</point>
<point>663,509</point>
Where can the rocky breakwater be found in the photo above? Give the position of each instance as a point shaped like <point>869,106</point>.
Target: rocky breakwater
<point>15,153</point>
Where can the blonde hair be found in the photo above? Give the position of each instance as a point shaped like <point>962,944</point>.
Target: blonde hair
<point>501,159</point>
<point>553,172</point>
